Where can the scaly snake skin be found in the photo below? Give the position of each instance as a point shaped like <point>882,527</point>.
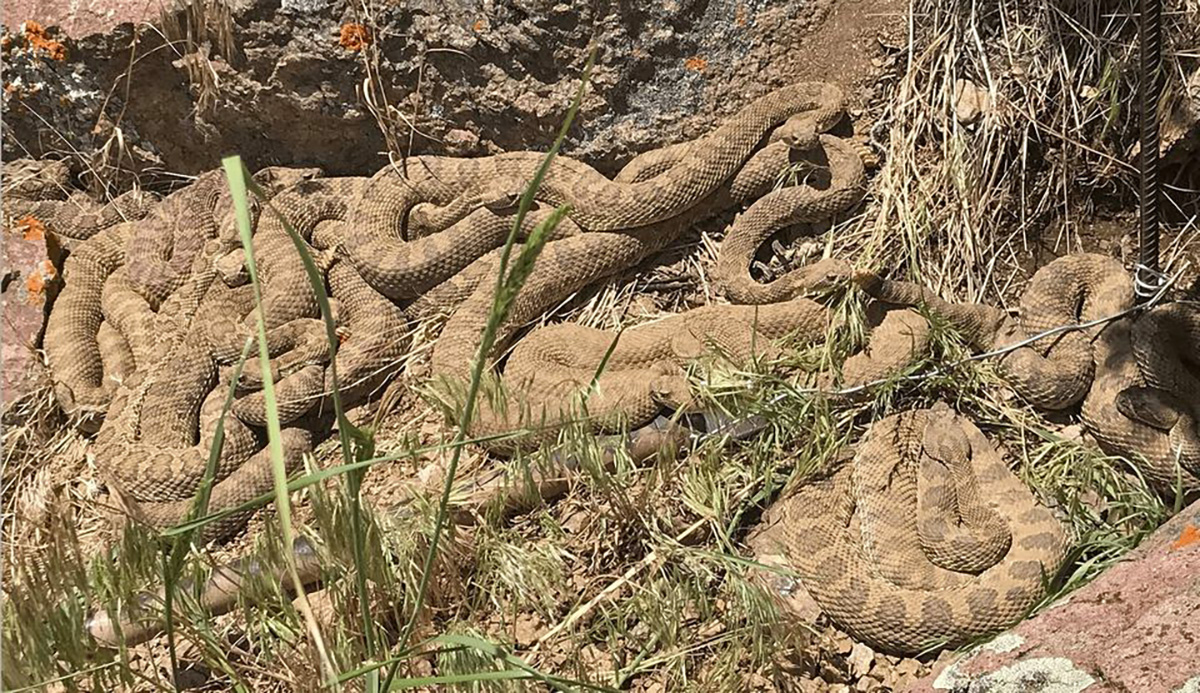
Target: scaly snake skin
<point>153,315</point>
<point>925,539</point>
<point>1135,376</point>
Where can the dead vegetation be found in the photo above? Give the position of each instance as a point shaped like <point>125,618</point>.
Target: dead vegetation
<point>1006,133</point>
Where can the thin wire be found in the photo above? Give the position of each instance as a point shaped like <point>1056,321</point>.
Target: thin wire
<point>1155,299</point>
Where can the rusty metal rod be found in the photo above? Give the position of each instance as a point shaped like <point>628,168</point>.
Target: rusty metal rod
<point>1147,276</point>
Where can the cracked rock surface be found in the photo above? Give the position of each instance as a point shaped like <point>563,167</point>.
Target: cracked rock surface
<point>309,82</point>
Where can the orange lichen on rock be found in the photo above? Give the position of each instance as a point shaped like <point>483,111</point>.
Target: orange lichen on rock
<point>36,283</point>
<point>479,25</point>
<point>33,228</point>
<point>739,16</point>
<point>1190,535</point>
<point>39,40</point>
<point>355,37</point>
<point>695,63</point>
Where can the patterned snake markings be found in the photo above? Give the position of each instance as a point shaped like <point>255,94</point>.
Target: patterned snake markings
<point>154,312</point>
<point>924,539</point>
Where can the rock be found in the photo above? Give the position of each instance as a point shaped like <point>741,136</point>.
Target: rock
<point>971,102</point>
<point>1134,628</point>
<point>302,82</point>
<point>79,18</point>
<point>860,659</point>
<point>796,602</point>
<point>31,280</point>
<point>527,629</point>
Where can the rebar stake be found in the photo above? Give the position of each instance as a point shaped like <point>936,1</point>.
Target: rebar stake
<point>1147,277</point>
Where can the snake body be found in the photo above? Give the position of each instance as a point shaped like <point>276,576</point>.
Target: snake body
<point>1145,402</point>
<point>41,190</point>
<point>548,383</point>
<point>1136,376</point>
<point>925,539</point>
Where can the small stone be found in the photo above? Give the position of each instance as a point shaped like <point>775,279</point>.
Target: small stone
<point>459,142</point>
<point>807,685</point>
<point>860,659</point>
<point>971,102</point>
<point>794,600</point>
<point>829,672</point>
<point>527,629</point>
<point>907,667</point>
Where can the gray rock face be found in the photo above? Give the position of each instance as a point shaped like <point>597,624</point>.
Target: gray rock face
<point>277,83</point>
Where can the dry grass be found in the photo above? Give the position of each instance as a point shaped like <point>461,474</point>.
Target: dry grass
<point>635,578</point>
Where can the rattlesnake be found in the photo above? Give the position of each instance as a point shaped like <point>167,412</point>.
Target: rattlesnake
<point>600,204</point>
<point>925,539</point>
<point>41,189</point>
<point>569,264</point>
<point>1054,372</point>
<point>402,266</point>
<point>1144,402</point>
<point>789,153</point>
<point>88,357</point>
<point>1136,376</point>
<point>644,370</point>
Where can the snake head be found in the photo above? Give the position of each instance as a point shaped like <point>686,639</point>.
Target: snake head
<point>825,274</point>
<point>1151,406</point>
<point>87,417</point>
<point>35,179</point>
<point>799,133</point>
<point>944,439</point>
<point>671,390</point>
<point>276,178</point>
<point>870,282</point>
<point>232,267</point>
<point>501,196</point>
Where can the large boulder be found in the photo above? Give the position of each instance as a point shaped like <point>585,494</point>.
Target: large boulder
<point>1134,628</point>
<point>31,279</point>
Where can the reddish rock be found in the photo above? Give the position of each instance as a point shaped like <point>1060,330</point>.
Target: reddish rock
<point>79,19</point>
<point>30,281</point>
<point>1134,628</point>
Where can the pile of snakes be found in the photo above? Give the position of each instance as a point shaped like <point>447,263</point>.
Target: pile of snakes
<point>156,308</point>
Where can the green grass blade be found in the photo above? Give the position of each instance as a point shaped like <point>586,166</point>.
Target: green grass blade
<point>235,172</point>
<point>506,289</point>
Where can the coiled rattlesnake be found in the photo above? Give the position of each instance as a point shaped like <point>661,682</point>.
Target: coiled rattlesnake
<point>925,539</point>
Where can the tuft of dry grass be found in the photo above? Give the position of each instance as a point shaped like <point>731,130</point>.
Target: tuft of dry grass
<point>1006,117</point>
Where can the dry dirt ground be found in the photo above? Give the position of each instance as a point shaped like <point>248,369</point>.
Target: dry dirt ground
<point>274,83</point>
